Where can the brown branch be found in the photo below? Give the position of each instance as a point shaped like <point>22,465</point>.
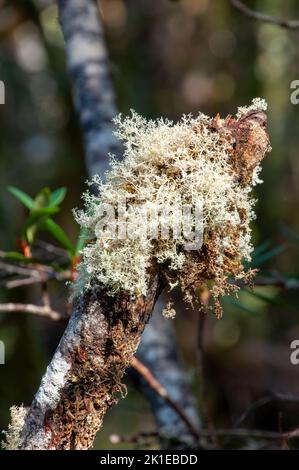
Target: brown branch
<point>32,274</point>
<point>253,433</point>
<point>162,392</point>
<point>95,102</point>
<point>264,401</point>
<point>19,282</point>
<point>84,377</point>
<point>288,24</point>
<point>17,269</point>
<point>40,310</point>
<point>238,433</point>
<point>135,438</point>
<point>276,279</point>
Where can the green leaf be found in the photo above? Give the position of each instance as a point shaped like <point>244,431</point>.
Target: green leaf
<point>17,257</point>
<point>261,248</point>
<point>34,221</point>
<point>257,261</point>
<point>239,305</point>
<point>37,214</point>
<point>265,298</point>
<point>21,196</point>
<point>57,232</point>
<point>292,283</point>
<point>42,198</point>
<point>57,196</point>
<point>289,234</point>
<point>30,233</point>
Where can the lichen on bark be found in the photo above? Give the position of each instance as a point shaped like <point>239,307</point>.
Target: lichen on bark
<point>84,378</point>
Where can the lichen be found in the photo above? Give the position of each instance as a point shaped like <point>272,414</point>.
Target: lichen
<point>169,311</point>
<point>257,104</point>
<point>12,435</point>
<point>189,162</point>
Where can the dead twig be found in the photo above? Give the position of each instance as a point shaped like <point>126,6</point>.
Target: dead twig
<point>40,310</point>
<point>259,16</point>
<point>134,438</point>
<point>264,401</point>
<point>32,274</point>
<point>162,392</point>
<point>233,433</point>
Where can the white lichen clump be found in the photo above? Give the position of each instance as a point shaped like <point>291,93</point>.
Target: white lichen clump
<point>12,435</point>
<point>169,311</point>
<point>257,104</point>
<point>166,162</point>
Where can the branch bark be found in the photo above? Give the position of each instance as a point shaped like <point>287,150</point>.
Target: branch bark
<point>40,310</point>
<point>84,376</point>
<point>93,92</point>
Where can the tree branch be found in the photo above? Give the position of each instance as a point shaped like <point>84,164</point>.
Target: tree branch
<point>101,109</point>
<point>288,24</point>
<point>91,80</point>
<point>238,433</point>
<point>84,377</point>
<point>32,274</point>
<point>162,392</point>
<point>264,401</point>
<point>40,310</point>
<point>159,352</point>
<point>102,336</point>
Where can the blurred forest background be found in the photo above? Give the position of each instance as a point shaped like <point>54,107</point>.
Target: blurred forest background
<point>167,58</point>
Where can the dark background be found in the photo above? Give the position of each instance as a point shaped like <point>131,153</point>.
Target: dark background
<point>167,58</point>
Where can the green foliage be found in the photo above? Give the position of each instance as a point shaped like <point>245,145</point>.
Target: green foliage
<point>41,209</point>
<point>21,196</point>
<point>290,234</point>
<point>57,196</point>
<point>262,253</point>
<point>58,233</point>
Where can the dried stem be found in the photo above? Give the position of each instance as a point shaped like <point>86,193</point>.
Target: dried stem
<point>264,401</point>
<point>288,24</point>
<point>204,433</point>
<point>40,310</point>
<point>162,392</point>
